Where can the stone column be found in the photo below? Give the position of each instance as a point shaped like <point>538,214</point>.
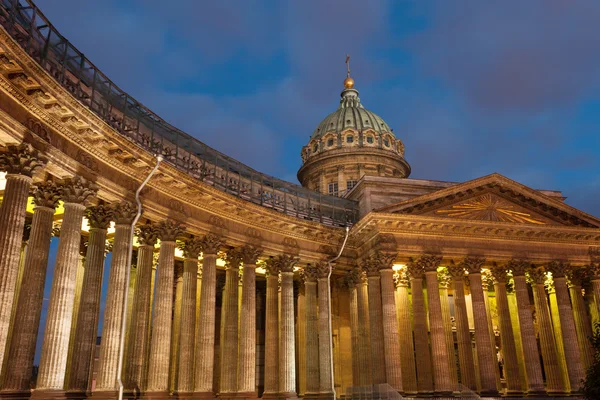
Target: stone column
<point>324,310</point>
<point>371,268</point>
<point>229,321</point>
<point>138,343</point>
<point>444,279</point>
<point>439,351</point>
<point>175,325</point>
<point>247,357</point>
<point>407,352</point>
<point>287,352</point>
<point>20,163</point>
<point>595,272</point>
<point>29,304</point>
<point>485,351</point>
<point>391,337</point>
<point>507,338</point>
<point>76,303</point>
<point>351,279</point>
<point>158,368</point>
<point>272,332</point>
<point>364,340</point>
<point>311,275</point>
<point>185,382</point>
<point>554,379</point>
<point>205,345</point>
<point>532,364</point>
<point>424,378</point>
<point>301,335</point>
<point>463,334</point>
<point>75,194</point>
<point>567,324</point>
<point>583,324</point>
<point>108,362</point>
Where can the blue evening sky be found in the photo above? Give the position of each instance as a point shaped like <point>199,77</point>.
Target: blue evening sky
<point>471,87</point>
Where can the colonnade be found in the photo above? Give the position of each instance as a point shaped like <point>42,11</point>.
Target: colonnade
<point>402,332</point>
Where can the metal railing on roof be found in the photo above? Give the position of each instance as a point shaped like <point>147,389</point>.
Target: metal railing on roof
<point>53,52</point>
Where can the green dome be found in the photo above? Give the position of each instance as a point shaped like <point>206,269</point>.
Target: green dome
<point>351,115</point>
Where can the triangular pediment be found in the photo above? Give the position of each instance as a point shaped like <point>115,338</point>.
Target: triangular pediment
<point>494,198</point>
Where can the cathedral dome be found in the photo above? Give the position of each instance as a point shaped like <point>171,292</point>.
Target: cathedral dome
<point>348,144</point>
<point>351,115</point>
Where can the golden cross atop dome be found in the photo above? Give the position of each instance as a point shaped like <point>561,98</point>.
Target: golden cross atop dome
<point>348,82</point>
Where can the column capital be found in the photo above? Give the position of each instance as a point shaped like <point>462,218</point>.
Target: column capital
<point>457,271</point>
<point>78,190</point>
<point>191,248</point>
<point>537,275</point>
<point>22,159</point>
<point>46,194</point>
<point>401,279</point>
<point>499,273</point>
<point>558,268</point>
<point>444,278</point>
<point>211,244</point>
<point>578,276</point>
<point>99,216</point>
<point>311,273</point>
<point>370,266</point>
<point>386,260</point>
<point>518,267</point>
<point>322,269</point>
<point>178,270</point>
<point>286,263</point>
<point>147,234</point>
<point>124,213</point>
<point>352,278</point>
<point>414,269</point>
<point>233,259</point>
<point>250,254</point>
<point>487,280</point>
<point>169,230</point>
<point>430,262</point>
<point>473,264</point>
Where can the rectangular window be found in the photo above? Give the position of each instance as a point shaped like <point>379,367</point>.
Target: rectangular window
<point>333,189</point>
<point>349,139</point>
<point>350,184</point>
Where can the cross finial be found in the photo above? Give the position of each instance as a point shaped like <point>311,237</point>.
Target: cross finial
<point>348,64</point>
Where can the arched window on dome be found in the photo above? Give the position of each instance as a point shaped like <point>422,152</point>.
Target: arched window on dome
<point>350,139</point>
<point>329,142</point>
<point>315,148</point>
<point>386,142</point>
<point>370,139</point>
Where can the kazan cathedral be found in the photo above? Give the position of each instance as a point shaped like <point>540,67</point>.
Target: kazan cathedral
<point>224,282</point>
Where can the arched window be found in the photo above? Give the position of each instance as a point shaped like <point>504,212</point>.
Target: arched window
<point>329,142</point>
<point>370,139</point>
<point>315,148</point>
<point>386,142</point>
<point>349,139</point>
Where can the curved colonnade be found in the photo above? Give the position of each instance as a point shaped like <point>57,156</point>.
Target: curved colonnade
<point>195,330</point>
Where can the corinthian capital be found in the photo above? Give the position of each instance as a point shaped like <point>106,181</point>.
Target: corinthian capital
<point>457,271</point>
<point>473,264</point>
<point>386,260</point>
<point>99,216</point>
<point>371,266</point>
<point>46,194</point>
<point>352,278</point>
<point>430,262</point>
<point>286,262</point>
<point>323,269</point>
<point>147,235</point>
<point>537,275</point>
<point>250,254</point>
<point>124,213</point>
<point>499,273</point>
<point>168,230</point>
<point>191,248</point>
<point>211,244</point>
<point>311,273</point>
<point>558,268</point>
<point>233,259</point>
<point>271,267</point>
<point>22,159</point>
<point>414,269</point>
<point>78,190</point>
<point>518,267</point>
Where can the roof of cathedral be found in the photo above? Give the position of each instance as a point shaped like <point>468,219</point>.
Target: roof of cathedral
<point>351,115</point>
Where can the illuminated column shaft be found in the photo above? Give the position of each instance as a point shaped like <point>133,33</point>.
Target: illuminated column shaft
<point>554,377</point>
<point>301,341</point>
<point>108,363</point>
<point>364,341</point>
<point>205,345</point>
<point>582,324</point>
<point>445,302</point>
<point>390,322</point>
<point>229,336</point>
<point>439,351</point>
<point>272,332</point>
<point>407,353</point>
<point>20,162</point>
<point>354,333</point>
<point>158,369</point>
<point>325,372</point>
<point>376,321</point>
<point>312,332</point>
<point>463,334</point>
<point>185,381</point>
<point>530,349</point>
<point>423,361</point>
<point>138,343</point>
<point>89,309</point>
<point>287,353</point>
<point>53,363</point>
<point>175,329</point>
<point>29,304</point>
<point>247,358</point>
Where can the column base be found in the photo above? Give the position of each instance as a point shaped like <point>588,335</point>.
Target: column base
<point>326,396</point>
<point>514,393</point>
<point>535,393</point>
<point>184,395</point>
<point>247,396</point>
<point>271,396</point>
<point>104,395</point>
<point>489,393</point>
<point>48,394</point>
<point>203,396</point>
<point>288,396</point>
<point>77,395</point>
<point>15,395</point>
<point>425,394</point>
<point>132,394</point>
<point>156,395</point>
